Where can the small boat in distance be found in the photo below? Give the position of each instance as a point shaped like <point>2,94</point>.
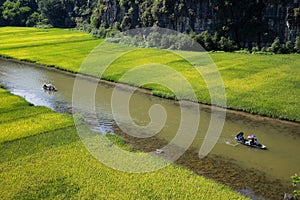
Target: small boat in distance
<point>49,87</point>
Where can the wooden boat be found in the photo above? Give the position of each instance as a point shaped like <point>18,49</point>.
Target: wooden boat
<point>49,87</point>
<point>247,143</point>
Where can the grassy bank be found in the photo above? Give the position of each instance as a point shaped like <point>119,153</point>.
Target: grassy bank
<point>42,157</point>
<point>262,84</point>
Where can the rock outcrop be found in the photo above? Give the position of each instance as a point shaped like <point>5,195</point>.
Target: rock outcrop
<point>249,22</point>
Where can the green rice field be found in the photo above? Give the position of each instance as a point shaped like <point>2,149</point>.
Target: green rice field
<point>267,85</point>
<point>42,157</point>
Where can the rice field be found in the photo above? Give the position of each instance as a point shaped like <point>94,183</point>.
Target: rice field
<point>42,157</point>
<point>52,47</point>
<point>262,84</point>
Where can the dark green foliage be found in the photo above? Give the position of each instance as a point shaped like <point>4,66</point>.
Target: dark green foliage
<point>34,19</point>
<point>276,46</point>
<point>255,49</point>
<point>214,42</point>
<point>15,13</point>
<point>205,39</point>
<point>297,45</point>
<point>103,32</point>
<point>226,44</point>
<point>289,47</point>
<point>60,13</point>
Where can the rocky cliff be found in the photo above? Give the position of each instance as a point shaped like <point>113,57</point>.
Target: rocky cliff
<point>248,22</point>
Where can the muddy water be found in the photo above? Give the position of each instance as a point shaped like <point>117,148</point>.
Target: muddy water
<point>227,161</point>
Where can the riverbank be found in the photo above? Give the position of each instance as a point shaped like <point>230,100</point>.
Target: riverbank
<point>43,157</point>
<point>266,85</point>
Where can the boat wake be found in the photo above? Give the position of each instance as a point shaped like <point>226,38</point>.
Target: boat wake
<point>229,143</point>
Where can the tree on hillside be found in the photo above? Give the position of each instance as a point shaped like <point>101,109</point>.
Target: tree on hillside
<point>297,45</point>
<point>241,20</point>
<point>276,46</point>
<point>289,47</point>
<point>14,13</point>
<point>34,19</point>
<point>60,13</point>
<point>54,13</point>
<point>226,44</point>
<point>1,18</point>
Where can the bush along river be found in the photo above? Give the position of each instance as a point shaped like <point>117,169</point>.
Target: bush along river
<point>259,174</point>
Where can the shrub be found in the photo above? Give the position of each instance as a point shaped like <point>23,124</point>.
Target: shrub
<point>184,43</point>
<point>264,49</point>
<point>255,48</point>
<point>207,41</point>
<point>226,44</point>
<point>288,47</point>
<point>297,45</point>
<point>33,19</point>
<point>154,39</point>
<point>276,46</point>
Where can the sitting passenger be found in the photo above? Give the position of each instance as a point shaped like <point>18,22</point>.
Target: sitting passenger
<point>256,142</point>
<point>240,136</point>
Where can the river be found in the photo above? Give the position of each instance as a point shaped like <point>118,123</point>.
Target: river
<point>282,138</point>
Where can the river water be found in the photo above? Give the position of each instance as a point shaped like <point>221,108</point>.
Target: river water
<point>282,138</point>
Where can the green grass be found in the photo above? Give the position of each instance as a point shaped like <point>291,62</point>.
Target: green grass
<point>261,84</point>
<point>42,157</point>
<point>54,47</point>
